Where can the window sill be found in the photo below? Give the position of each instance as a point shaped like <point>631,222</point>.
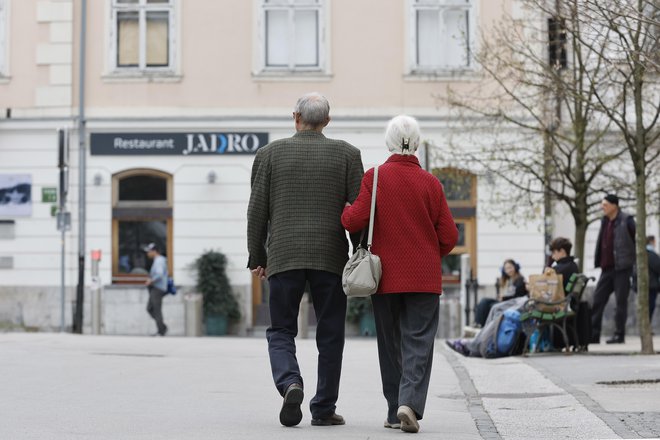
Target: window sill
<point>4,79</point>
<point>443,75</point>
<point>125,285</point>
<point>291,76</point>
<point>141,76</point>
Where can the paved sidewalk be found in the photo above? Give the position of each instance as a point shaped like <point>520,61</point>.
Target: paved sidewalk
<point>99,387</point>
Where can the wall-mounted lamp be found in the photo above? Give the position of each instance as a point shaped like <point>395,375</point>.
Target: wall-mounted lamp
<point>98,179</point>
<point>211,177</point>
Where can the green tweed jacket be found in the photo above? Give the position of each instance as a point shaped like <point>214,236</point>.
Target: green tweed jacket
<point>299,187</point>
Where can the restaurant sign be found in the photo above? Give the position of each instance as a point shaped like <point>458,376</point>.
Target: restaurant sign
<point>175,144</point>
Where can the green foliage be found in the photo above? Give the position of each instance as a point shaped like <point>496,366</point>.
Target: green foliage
<point>357,307</point>
<point>213,284</point>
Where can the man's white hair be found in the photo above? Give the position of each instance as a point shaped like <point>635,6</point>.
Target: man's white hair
<point>314,109</point>
<point>402,135</point>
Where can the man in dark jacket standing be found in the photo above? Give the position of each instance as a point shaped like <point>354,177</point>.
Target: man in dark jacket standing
<point>295,236</point>
<point>615,255</point>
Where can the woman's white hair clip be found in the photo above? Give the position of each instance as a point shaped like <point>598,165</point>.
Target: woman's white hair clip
<point>405,144</point>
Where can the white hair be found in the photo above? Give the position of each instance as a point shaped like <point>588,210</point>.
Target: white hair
<point>314,109</point>
<point>402,135</point>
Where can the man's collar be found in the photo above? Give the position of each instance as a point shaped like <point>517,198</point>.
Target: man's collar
<point>309,133</point>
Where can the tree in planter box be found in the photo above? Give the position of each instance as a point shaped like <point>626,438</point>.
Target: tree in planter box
<point>219,302</point>
<point>361,311</point>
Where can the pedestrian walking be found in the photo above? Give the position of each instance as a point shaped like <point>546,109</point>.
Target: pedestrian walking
<point>413,230</point>
<point>299,187</point>
<point>615,255</point>
<point>157,286</point>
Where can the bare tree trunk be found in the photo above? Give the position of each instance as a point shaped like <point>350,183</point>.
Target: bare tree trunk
<point>642,268</point>
<point>638,156</point>
<point>580,237</point>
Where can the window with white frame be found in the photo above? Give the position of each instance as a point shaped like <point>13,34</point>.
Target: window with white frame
<point>143,37</point>
<point>443,34</point>
<point>3,37</point>
<point>292,35</point>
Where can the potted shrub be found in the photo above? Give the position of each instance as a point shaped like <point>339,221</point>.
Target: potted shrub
<point>219,303</point>
<point>360,311</point>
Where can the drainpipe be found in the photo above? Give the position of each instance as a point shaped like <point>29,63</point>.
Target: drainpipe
<point>82,156</point>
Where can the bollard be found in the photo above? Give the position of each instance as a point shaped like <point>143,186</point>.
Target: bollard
<point>96,299</point>
<point>96,289</point>
<point>193,314</point>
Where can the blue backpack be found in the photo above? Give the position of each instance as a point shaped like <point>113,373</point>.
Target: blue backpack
<point>171,288</point>
<point>508,332</point>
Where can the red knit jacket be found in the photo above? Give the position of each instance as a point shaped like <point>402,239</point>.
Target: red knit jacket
<point>413,226</point>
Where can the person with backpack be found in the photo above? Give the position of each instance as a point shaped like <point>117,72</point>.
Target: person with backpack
<point>157,285</point>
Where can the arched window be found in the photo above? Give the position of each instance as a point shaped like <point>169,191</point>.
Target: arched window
<point>461,191</point>
<point>141,214</point>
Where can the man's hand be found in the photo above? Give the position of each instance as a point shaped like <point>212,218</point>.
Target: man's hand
<point>260,272</point>
<point>148,282</point>
<point>347,205</point>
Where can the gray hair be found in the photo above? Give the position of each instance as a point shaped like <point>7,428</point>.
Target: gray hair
<point>402,135</point>
<point>314,109</point>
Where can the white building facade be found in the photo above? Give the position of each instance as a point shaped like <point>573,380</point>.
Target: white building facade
<point>178,96</point>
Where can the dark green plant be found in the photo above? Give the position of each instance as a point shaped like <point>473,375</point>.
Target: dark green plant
<point>213,284</point>
<point>357,307</point>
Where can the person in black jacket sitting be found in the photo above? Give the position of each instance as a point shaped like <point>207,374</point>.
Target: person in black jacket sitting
<point>560,252</point>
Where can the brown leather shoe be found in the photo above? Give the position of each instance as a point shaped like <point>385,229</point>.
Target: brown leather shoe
<point>290,414</point>
<point>334,419</point>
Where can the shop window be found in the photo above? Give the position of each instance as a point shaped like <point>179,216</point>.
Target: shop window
<point>557,43</point>
<point>460,187</point>
<point>461,191</point>
<point>141,214</point>
<point>292,35</point>
<point>143,35</point>
<point>442,35</point>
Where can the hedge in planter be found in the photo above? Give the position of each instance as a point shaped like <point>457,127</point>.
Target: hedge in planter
<point>219,302</point>
<point>361,311</point>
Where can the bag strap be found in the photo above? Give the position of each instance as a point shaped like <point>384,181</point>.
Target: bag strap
<point>374,190</point>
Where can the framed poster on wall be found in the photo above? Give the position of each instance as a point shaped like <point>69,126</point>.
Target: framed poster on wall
<point>15,195</point>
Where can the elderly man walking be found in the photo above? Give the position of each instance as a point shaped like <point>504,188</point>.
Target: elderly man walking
<point>295,236</point>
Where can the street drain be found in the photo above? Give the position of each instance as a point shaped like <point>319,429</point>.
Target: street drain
<point>131,355</point>
<point>629,382</point>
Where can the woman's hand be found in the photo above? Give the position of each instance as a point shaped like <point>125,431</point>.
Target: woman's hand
<point>260,272</point>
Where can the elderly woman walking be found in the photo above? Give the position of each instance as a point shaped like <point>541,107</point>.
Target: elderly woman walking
<point>413,230</point>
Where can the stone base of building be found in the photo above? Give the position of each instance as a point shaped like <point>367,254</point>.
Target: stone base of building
<point>123,311</point>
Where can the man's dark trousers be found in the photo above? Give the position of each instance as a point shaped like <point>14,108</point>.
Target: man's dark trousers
<point>286,291</point>
<point>617,281</point>
<point>155,308</point>
<point>406,325</point>
<point>653,294</point>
